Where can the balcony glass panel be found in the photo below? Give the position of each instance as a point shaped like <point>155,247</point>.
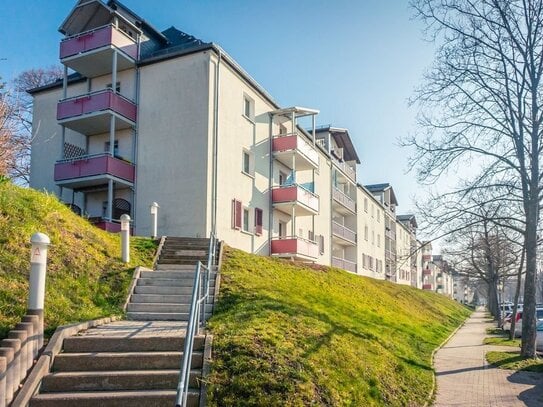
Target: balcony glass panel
<point>344,264</point>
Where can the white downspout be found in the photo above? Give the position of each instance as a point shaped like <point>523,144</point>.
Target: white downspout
<point>215,145</point>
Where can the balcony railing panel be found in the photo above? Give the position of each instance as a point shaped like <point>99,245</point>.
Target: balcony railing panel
<point>296,194</point>
<point>97,38</point>
<point>295,246</point>
<point>94,102</point>
<point>343,232</point>
<point>427,286</point>
<point>426,272</point>
<point>426,257</point>
<point>346,169</point>
<point>93,165</point>
<point>344,264</point>
<point>296,143</point>
<point>344,199</point>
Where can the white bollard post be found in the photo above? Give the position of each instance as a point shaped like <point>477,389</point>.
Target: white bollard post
<point>38,263</point>
<point>154,214</point>
<point>125,238</point>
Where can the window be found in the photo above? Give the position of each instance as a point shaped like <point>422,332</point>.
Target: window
<point>372,237</point>
<point>246,221</point>
<point>311,235</point>
<point>366,233</point>
<point>365,204</point>
<point>117,87</point>
<point>378,216</point>
<point>373,211</point>
<point>282,129</point>
<point>378,240</point>
<point>248,167</point>
<point>321,244</point>
<point>107,145</point>
<point>236,214</point>
<point>282,229</point>
<point>282,178</point>
<point>248,108</point>
<point>259,214</point>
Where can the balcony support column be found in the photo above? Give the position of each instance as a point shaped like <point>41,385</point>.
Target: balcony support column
<point>313,125</point>
<point>293,221</point>
<point>109,214</point>
<point>65,83</point>
<point>114,72</point>
<point>112,136</point>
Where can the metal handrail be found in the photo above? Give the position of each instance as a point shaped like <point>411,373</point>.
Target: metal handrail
<point>196,320</point>
<point>94,93</point>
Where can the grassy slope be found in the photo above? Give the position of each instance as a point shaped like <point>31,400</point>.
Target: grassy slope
<point>85,279</point>
<point>288,334</point>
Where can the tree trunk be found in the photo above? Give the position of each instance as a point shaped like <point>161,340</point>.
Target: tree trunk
<point>517,294</point>
<point>493,306</point>
<point>528,312</point>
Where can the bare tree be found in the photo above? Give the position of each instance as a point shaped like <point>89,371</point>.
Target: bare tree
<point>482,106</point>
<point>17,108</point>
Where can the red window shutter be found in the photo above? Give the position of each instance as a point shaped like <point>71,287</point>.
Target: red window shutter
<point>258,221</point>
<point>236,214</point>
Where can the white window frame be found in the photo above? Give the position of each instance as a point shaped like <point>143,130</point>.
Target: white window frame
<point>250,220</point>
<point>248,101</point>
<point>247,153</point>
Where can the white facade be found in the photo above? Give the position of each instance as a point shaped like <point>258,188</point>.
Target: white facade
<point>189,129</point>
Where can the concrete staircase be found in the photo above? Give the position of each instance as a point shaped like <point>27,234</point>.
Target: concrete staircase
<point>136,362</point>
<point>165,293</point>
<point>103,370</point>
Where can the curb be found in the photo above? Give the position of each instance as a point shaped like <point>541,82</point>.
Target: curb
<point>432,392</point>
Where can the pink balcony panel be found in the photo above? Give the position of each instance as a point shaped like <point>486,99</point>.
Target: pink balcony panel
<point>427,286</point>
<point>95,102</point>
<point>98,38</point>
<point>295,246</point>
<point>426,257</point>
<point>306,156</point>
<point>93,166</point>
<point>295,193</point>
<point>426,272</point>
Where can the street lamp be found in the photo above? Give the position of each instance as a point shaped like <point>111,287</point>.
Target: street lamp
<point>154,213</point>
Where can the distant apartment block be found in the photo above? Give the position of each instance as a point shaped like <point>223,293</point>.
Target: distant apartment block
<point>143,115</point>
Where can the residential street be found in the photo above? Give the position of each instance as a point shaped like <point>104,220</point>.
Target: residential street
<point>464,378</point>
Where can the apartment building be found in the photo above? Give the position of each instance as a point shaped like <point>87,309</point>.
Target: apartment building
<point>144,116</point>
<point>410,253</point>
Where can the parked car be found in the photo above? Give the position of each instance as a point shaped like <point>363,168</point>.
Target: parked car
<point>518,323</point>
<point>539,337</point>
<point>506,321</point>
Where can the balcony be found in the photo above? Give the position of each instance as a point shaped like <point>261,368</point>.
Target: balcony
<point>294,247</point>
<point>294,152</point>
<point>345,204</point>
<point>426,272</point>
<point>344,264</point>
<point>426,257</point>
<point>92,170</point>
<point>104,224</point>
<point>91,53</point>
<point>346,236</point>
<point>427,286</point>
<point>294,198</point>
<point>91,113</point>
<point>346,171</point>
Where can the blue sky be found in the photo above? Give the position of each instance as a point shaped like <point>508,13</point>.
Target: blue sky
<point>356,61</point>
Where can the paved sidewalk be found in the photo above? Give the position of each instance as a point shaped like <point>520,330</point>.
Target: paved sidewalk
<point>465,379</point>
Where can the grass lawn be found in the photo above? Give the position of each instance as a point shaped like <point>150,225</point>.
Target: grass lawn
<point>513,361</point>
<point>287,334</point>
<point>502,341</point>
<point>85,277</point>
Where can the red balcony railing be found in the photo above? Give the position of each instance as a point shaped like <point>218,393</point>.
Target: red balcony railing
<point>97,38</point>
<point>343,232</point>
<point>295,247</point>
<point>426,257</point>
<point>344,199</point>
<point>297,195</point>
<point>95,102</point>
<point>344,264</point>
<point>426,272</point>
<point>93,165</point>
<point>305,154</point>
<point>427,286</point>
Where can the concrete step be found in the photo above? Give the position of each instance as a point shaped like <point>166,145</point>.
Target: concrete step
<point>180,261</point>
<point>169,282</point>
<point>161,307</point>
<point>116,380</point>
<point>145,398</point>
<point>158,298</point>
<point>173,274</point>
<point>184,251</point>
<point>159,316</point>
<point>103,361</point>
<point>180,267</point>
<point>99,343</point>
<point>167,290</point>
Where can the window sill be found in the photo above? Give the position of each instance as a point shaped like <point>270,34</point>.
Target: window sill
<point>249,175</point>
<point>252,121</point>
<point>245,232</point>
